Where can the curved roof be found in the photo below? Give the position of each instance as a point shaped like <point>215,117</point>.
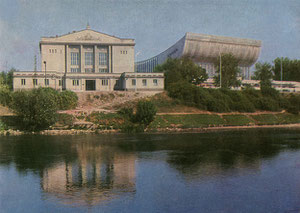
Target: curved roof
<point>206,48</point>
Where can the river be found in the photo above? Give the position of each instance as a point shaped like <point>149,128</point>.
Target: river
<point>255,170</point>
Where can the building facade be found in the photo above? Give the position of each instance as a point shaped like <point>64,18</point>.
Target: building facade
<point>205,49</point>
<point>88,60</point>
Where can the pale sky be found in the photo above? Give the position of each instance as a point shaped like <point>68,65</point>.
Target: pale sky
<point>154,24</point>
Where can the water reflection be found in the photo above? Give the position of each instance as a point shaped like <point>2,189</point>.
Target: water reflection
<point>81,172</point>
<point>92,170</point>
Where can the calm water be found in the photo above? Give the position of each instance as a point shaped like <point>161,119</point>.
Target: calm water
<point>242,171</point>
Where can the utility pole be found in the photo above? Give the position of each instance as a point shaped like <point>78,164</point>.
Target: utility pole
<point>45,73</point>
<point>281,72</point>
<point>220,70</point>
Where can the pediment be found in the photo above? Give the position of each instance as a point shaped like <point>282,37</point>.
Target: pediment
<point>88,36</point>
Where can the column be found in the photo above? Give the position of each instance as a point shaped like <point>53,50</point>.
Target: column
<point>110,59</point>
<point>67,58</point>
<point>81,59</point>
<point>96,59</point>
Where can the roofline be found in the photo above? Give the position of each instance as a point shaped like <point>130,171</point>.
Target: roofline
<point>84,30</point>
<point>223,39</point>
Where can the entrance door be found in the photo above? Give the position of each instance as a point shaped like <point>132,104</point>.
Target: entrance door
<point>90,85</point>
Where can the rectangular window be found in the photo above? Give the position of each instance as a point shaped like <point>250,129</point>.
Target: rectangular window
<point>101,70</point>
<point>23,82</point>
<point>117,83</point>
<point>144,82</point>
<point>46,82</point>
<point>133,82</point>
<point>103,59</point>
<point>59,82</point>
<point>75,82</point>
<point>89,58</point>
<point>35,82</point>
<point>74,58</point>
<point>75,70</point>
<point>155,82</point>
<point>105,82</point>
<point>89,70</point>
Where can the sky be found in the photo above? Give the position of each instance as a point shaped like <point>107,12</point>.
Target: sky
<point>154,24</point>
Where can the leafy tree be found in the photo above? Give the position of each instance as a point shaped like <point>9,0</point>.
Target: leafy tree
<point>263,72</point>
<point>145,112</point>
<point>290,69</point>
<point>229,71</point>
<point>182,69</point>
<point>35,108</point>
<point>6,79</point>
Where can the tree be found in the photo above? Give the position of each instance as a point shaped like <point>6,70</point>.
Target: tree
<point>36,108</point>
<point>6,78</point>
<point>290,69</point>
<point>263,72</point>
<point>229,71</point>
<point>182,69</point>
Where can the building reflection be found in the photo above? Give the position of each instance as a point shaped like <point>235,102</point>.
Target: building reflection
<point>99,174</point>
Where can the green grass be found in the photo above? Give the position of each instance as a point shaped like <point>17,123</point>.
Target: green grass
<point>266,119</point>
<point>186,121</point>
<point>287,118</point>
<point>237,120</point>
<point>106,120</point>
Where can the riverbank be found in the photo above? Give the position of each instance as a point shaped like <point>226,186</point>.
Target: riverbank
<point>166,130</point>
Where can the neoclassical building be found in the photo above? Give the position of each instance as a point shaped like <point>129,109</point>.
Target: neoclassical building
<point>205,49</point>
<point>88,60</point>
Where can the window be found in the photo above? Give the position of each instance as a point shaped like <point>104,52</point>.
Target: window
<point>59,82</point>
<point>23,82</point>
<point>105,82</point>
<point>102,58</point>
<point>155,82</point>
<point>46,82</point>
<point>144,82</point>
<point>75,82</point>
<point>75,70</point>
<point>117,83</point>
<point>74,58</point>
<point>89,58</point>
<point>89,70</point>
<point>133,82</point>
<point>101,70</point>
<point>35,82</point>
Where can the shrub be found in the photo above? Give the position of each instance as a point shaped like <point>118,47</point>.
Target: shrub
<point>145,113</point>
<point>36,108</point>
<point>65,119</point>
<point>5,96</point>
<point>67,100</point>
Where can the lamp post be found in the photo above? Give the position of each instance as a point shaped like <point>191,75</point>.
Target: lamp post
<point>136,56</point>
<point>220,70</point>
<point>45,72</point>
<point>281,72</point>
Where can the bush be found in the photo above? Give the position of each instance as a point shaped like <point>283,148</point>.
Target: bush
<point>67,100</point>
<point>145,113</point>
<point>5,96</point>
<point>36,108</point>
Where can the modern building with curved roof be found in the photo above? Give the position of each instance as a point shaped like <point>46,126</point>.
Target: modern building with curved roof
<point>205,49</point>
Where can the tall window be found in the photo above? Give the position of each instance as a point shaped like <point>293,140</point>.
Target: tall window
<point>75,70</point>
<point>89,58</point>
<point>75,82</point>
<point>102,58</point>
<point>103,70</point>
<point>23,82</point>
<point>74,58</point>
<point>155,82</point>
<point>105,82</point>
<point>144,82</point>
<point>133,82</point>
<point>46,82</point>
<point>35,82</point>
